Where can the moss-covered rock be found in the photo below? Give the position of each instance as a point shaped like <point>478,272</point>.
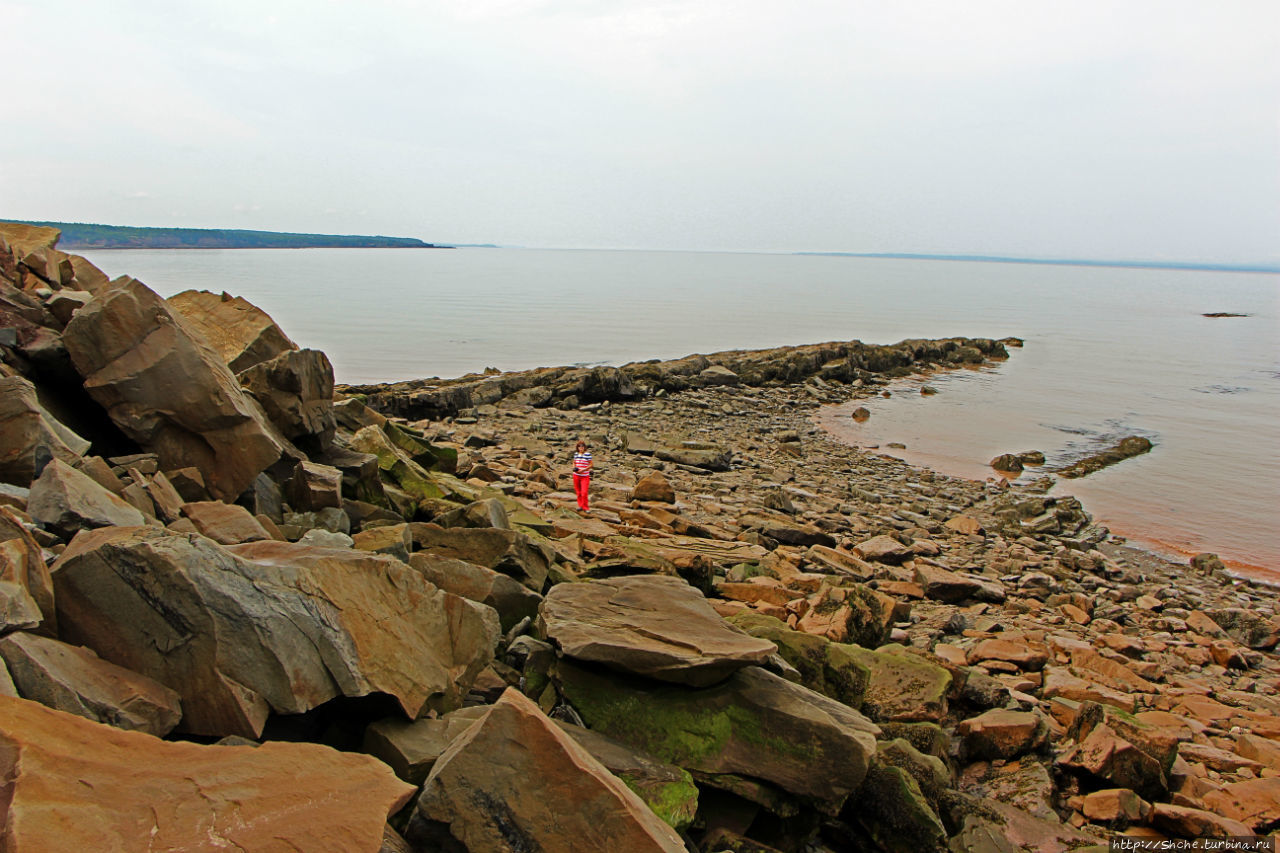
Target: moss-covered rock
<point>931,774</point>
<point>753,724</point>
<point>824,666</point>
<point>904,687</point>
<point>928,738</point>
<point>893,811</point>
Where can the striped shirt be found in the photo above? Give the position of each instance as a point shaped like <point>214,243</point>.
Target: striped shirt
<point>582,464</point>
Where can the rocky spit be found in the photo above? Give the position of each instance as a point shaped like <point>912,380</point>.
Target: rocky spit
<point>240,609</point>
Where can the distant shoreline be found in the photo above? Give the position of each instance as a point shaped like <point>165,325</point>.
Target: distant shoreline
<point>82,236</point>
<point>1061,262</point>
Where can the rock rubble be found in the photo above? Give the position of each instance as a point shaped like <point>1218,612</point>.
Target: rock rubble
<point>759,639</point>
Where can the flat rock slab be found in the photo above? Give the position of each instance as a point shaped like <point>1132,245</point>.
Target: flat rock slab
<point>652,625</point>
<point>74,679</point>
<point>269,626</point>
<point>515,783</point>
<point>79,785</point>
<point>226,524</point>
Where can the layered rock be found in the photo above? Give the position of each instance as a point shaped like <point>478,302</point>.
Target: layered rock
<point>268,626</point>
<point>242,334</point>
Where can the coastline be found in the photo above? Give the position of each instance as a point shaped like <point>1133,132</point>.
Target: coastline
<point>1126,518</point>
<point>756,638</point>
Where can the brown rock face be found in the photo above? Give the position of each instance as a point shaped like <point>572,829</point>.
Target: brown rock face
<point>24,426</point>
<point>75,680</point>
<point>76,785</point>
<point>269,626</point>
<point>652,625</point>
<point>654,487</point>
<point>1255,802</point>
<point>515,782</point>
<point>168,390</point>
<point>242,334</point>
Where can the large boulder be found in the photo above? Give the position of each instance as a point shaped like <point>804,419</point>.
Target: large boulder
<point>514,782</point>
<point>25,427</point>
<point>242,334</point>
<point>752,724</point>
<point>295,389</point>
<point>64,500</point>
<point>166,389</point>
<point>72,784</point>
<point>243,631</point>
<point>75,680</point>
<point>652,625</point>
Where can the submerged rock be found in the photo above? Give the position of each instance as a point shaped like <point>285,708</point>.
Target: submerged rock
<point>1134,445</point>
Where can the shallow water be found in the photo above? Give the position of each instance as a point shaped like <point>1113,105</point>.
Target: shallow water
<point>1109,352</point>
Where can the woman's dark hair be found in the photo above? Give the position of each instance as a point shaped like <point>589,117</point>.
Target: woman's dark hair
<point>580,443</point>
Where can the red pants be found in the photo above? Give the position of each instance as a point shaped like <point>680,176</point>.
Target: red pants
<point>580,486</point>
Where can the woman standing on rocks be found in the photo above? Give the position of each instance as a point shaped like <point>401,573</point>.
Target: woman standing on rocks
<point>581,473</point>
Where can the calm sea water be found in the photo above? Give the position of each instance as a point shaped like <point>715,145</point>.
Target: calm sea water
<point>1109,352</point>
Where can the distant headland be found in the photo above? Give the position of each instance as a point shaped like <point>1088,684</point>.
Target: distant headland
<point>80,235</point>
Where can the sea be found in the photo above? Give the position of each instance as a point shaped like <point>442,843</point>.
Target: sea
<point>1109,352</point>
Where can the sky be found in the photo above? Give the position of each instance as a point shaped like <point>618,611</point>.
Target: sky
<point>1139,129</point>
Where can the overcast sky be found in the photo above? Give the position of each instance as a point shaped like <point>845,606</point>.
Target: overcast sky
<point>1113,129</point>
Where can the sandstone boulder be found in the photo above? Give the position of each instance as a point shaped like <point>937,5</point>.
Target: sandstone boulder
<point>512,600</point>
<point>226,524</point>
<point>64,500</point>
<point>411,747</point>
<point>710,459</point>
<point>18,610</point>
<point>242,334</point>
<point>1002,734</point>
<point>295,389</point>
<point>652,625</point>
<point>822,665</point>
<point>882,549</point>
<point>753,724</point>
<point>514,782</point>
<point>508,551</point>
<point>314,486</point>
<point>269,626</point>
<point>665,788</point>
<point>25,428</point>
<point>22,564</point>
<point>168,390</point>
<point>654,487</point>
<point>1254,802</point>
<point>77,785</point>
<point>902,687</point>
<point>75,680</point>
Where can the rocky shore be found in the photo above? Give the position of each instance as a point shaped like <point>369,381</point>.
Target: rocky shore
<point>242,608</point>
